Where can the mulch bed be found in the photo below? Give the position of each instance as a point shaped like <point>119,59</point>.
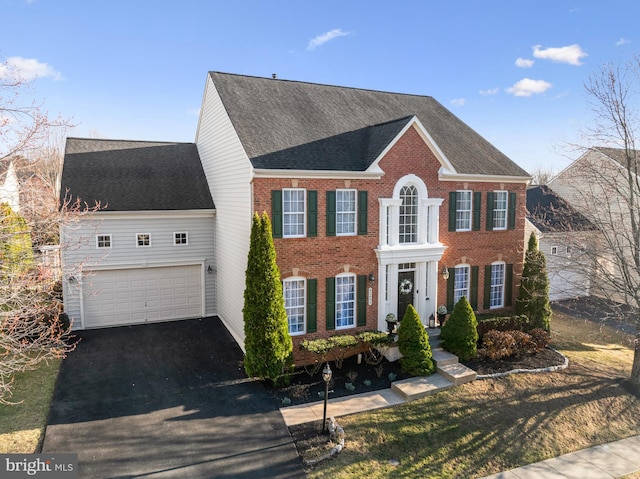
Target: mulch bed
<point>545,358</point>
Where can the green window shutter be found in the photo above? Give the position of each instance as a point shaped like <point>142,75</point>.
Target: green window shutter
<point>331,303</point>
<point>452,210</point>
<point>477,202</point>
<point>487,287</point>
<point>362,212</point>
<point>508,285</point>
<point>490,204</point>
<point>450,286</point>
<point>312,213</point>
<point>512,210</point>
<point>361,306</point>
<point>331,213</point>
<point>312,305</point>
<point>276,213</point>
<point>473,293</point>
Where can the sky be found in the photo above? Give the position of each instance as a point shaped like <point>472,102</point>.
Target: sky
<point>514,71</point>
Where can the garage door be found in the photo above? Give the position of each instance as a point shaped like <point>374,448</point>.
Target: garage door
<point>140,295</point>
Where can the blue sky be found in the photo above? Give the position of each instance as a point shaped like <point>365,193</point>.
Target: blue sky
<point>512,70</point>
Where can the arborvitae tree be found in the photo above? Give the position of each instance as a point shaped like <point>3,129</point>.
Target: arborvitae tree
<point>533,296</point>
<point>16,254</point>
<point>413,343</point>
<point>267,341</point>
<point>459,334</point>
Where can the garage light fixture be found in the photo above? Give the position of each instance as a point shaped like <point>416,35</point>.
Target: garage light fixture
<point>209,269</point>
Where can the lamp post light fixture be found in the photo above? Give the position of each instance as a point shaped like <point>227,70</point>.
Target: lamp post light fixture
<point>326,377</point>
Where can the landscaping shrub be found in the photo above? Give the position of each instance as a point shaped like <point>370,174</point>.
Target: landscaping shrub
<point>503,323</point>
<point>540,338</point>
<point>533,296</point>
<point>522,343</point>
<point>496,345</point>
<point>413,343</point>
<point>459,334</point>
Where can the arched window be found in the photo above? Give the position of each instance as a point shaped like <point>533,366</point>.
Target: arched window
<point>408,220</point>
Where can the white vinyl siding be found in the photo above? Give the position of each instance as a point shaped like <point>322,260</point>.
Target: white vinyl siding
<point>294,290</point>
<point>345,212</point>
<point>103,241</point>
<point>463,210</point>
<point>143,240</point>
<point>229,173</point>
<point>500,205</point>
<point>181,238</point>
<point>83,263</point>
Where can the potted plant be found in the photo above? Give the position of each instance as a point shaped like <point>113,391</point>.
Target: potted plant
<point>442,314</point>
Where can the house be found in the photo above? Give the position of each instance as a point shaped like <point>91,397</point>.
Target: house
<point>9,189</point>
<point>147,254</point>
<point>378,200</point>
<point>563,236</point>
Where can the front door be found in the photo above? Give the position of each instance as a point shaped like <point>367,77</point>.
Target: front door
<point>406,288</point>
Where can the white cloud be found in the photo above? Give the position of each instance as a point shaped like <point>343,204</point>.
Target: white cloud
<point>622,41</point>
<point>570,54</point>
<point>27,69</point>
<point>326,37</point>
<point>491,91</point>
<point>524,63</point>
<point>458,102</point>
<point>528,87</point>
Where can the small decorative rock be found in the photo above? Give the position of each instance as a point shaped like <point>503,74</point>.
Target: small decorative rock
<point>337,436</point>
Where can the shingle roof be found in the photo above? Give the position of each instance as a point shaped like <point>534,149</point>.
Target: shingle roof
<point>295,125</point>
<point>135,175</point>
<point>551,213</point>
<point>617,154</point>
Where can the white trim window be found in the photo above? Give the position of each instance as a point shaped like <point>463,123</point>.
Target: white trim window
<point>294,290</point>
<point>293,212</point>
<point>497,285</point>
<point>500,208</point>
<point>345,301</point>
<point>408,221</point>
<point>461,281</point>
<point>143,240</point>
<point>103,241</point>
<point>463,210</point>
<point>181,238</point>
<point>345,212</point>
<point>554,250</point>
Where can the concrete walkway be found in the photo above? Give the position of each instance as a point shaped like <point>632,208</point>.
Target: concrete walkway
<point>606,461</point>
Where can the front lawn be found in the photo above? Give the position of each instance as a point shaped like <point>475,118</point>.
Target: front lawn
<point>22,425</point>
<point>493,425</point>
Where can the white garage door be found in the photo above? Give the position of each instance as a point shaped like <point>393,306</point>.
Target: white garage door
<point>140,295</point>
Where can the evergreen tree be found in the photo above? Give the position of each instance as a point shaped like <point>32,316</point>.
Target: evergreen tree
<point>266,328</point>
<point>533,296</point>
<point>16,253</point>
<point>413,343</point>
<point>459,334</point>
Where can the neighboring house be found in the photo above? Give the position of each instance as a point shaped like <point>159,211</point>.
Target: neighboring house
<point>563,234</point>
<point>148,253</point>
<point>375,199</point>
<point>9,188</point>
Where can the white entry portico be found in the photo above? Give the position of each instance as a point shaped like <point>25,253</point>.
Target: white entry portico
<point>408,250</point>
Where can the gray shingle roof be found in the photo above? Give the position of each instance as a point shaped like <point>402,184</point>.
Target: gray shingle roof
<point>618,154</point>
<point>551,213</point>
<point>135,175</point>
<point>295,125</point>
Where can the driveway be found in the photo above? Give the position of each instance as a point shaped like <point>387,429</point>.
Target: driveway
<point>166,400</point>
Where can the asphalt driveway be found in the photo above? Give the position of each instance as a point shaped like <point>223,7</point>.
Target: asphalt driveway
<point>166,400</point>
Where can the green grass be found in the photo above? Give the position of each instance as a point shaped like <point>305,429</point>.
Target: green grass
<point>489,426</point>
<point>22,425</point>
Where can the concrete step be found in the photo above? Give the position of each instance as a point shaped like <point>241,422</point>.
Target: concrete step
<point>443,358</point>
<point>457,373</point>
<point>416,388</point>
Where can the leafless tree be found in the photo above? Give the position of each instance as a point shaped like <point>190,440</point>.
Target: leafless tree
<point>603,184</point>
<point>32,326</point>
<point>541,176</point>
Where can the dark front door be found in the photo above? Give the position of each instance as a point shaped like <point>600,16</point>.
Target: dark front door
<point>406,282</point>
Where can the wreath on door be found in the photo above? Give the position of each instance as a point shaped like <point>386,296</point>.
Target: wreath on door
<point>405,286</point>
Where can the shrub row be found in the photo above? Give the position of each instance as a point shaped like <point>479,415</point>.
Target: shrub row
<point>505,323</point>
<point>504,344</point>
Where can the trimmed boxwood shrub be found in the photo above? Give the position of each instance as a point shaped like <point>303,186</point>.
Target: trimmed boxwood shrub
<point>413,342</point>
<point>459,334</point>
<point>504,344</point>
<point>504,323</point>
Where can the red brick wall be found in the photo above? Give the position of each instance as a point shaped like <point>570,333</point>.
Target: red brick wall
<point>321,257</point>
